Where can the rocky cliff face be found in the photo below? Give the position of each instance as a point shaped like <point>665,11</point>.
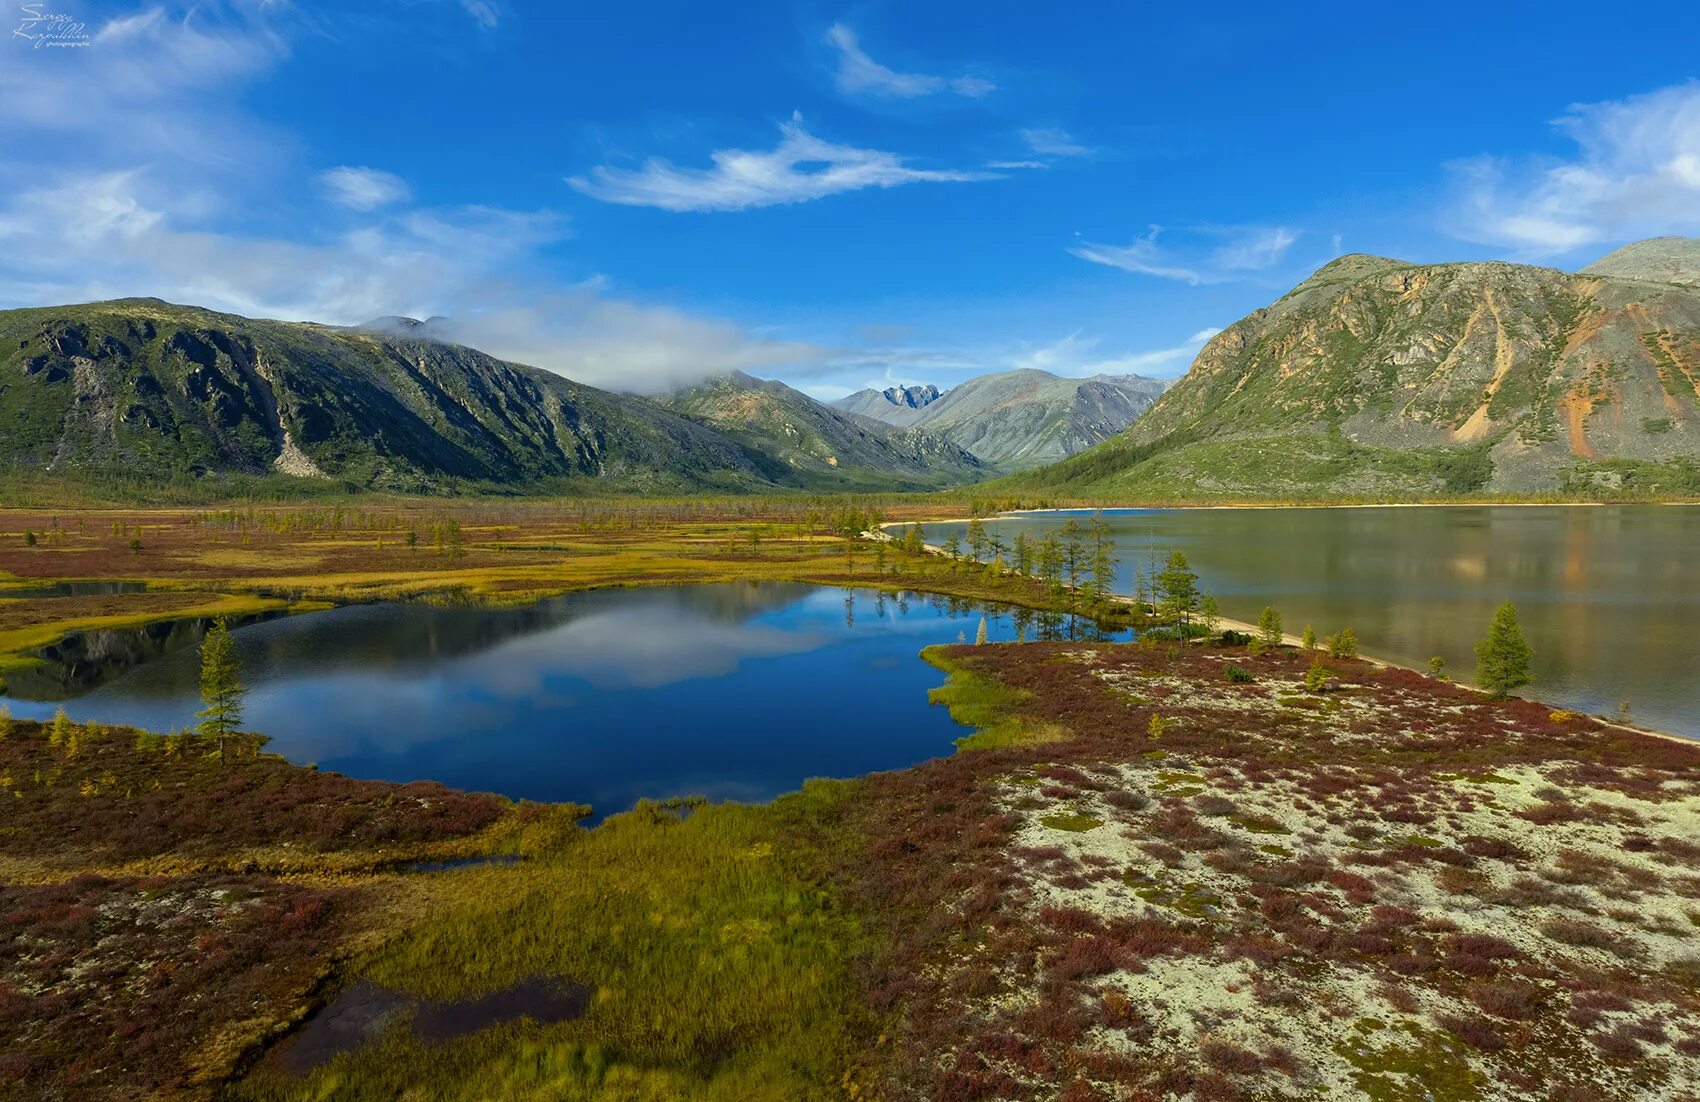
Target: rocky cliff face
<point>143,391</point>
<point>1376,376</point>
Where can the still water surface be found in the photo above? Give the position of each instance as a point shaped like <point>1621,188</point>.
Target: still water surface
<point>1608,596</point>
<point>729,691</point>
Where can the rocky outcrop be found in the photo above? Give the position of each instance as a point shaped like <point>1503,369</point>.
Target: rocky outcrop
<point>1379,376</point>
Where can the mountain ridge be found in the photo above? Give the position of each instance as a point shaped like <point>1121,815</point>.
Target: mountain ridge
<point>142,391</point>
<point>1021,418</point>
<point>807,435</point>
<point>1380,377</point>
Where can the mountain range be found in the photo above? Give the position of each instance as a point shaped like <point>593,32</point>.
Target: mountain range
<point>1015,419</point>
<point>142,392</point>
<point>1385,378</point>
<point>817,441</point>
<point>1373,377</point>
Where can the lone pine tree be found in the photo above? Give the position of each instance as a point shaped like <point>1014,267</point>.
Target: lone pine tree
<point>221,686</point>
<point>1502,659</point>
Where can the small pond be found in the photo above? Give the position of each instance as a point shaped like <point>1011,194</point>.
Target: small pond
<point>737,691</point>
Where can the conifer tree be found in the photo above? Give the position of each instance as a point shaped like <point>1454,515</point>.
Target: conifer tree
<point>221,686</point>
<point>1308,641</point>
<point>1269,631</point>
<point>1210,614</point>
<point>1502,659</point>
<point>976,538</point>
<point>1103,558</point>
<point>1022,550</point>
<point>1177,592</point>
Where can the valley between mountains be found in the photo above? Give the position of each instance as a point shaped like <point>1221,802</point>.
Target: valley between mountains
<point>1373,379</point>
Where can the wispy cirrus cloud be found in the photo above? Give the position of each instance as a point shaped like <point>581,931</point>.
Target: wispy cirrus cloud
<point>1239,252</point>
<point>860,74</point>
<point>1046,145</point>
<point>1079,356</point>
<point>1635,173</point>
<point>1050,141</point>
<point>363,188</point>
<point>483,12</point>
<point>1075,356</point>
<point>800,168</point>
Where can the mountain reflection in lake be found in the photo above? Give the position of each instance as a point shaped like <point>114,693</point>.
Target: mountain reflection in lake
<point>735,691</point>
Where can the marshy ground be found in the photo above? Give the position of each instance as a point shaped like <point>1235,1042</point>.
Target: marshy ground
<point>1137,879</point>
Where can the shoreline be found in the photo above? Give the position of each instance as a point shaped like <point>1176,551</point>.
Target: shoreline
<point>1296,641</point>
<point>1339,505</point>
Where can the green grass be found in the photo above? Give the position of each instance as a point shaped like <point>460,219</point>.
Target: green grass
<point>1072,821</point>
<point>987,705</point>
<point>719,957</point>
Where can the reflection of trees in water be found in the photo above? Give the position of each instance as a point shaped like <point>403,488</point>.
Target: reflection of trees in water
<point>396,634</point>
<point>380,635</point>
<point>84,660</point>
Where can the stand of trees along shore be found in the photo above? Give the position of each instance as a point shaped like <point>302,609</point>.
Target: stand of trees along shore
<point>1076,564</point>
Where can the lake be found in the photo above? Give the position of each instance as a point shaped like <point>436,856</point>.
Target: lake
<point>737,691</point>
<point>1608,596</point>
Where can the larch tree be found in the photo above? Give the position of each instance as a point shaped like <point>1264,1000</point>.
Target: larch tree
<point>1209,614</point>
<point>1502,659</point>
<point>222,690</point>
<point>1177,592</point>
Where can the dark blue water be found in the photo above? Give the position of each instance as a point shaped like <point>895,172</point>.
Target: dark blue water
<point>731,691</point>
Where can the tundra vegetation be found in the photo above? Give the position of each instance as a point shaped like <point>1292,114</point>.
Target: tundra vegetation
<point>1156,870</point>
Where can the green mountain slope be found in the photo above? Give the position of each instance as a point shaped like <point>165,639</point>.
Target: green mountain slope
<point>811,443</point>
<point>1017,419</point>
<point>1376,377</point>
<point>145,391</point>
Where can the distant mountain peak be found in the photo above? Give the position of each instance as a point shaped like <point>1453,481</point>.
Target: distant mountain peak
<point>912,397</point>
<point>1661,259</point>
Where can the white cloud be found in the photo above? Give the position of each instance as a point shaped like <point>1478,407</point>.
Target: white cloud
<point>1241,249</point>
<point>109,235</point>
<point>614,343</point>
<point>103,234</point>
<point>1048,141</point>
<point>857,72</point>
<point>1077,356</point>
<point>152,84</point>
<point>1635,173</point>
<point>363,188</point>
<point>483,12</point>
<point>801,168</point>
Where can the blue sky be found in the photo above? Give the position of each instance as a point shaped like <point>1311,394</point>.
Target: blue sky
<point>838,195</point>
